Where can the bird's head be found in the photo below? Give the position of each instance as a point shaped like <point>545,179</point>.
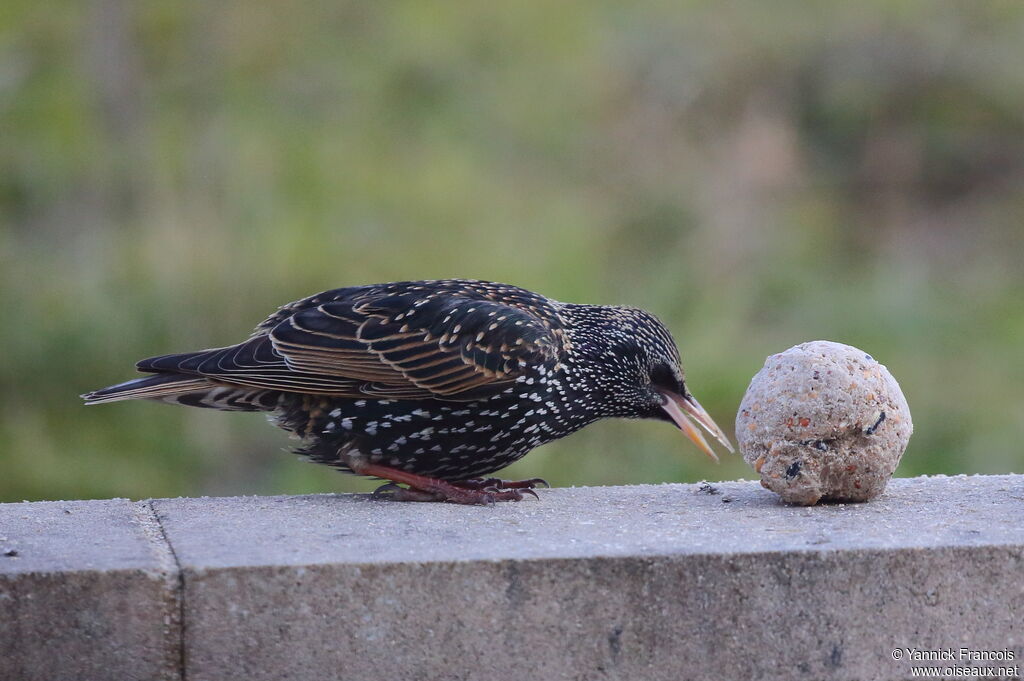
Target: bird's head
<point>639,372</point>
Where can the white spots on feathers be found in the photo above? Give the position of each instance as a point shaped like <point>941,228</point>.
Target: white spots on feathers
<point>614,350</point>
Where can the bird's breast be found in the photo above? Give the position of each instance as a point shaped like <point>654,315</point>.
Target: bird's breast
<point>443,439</point>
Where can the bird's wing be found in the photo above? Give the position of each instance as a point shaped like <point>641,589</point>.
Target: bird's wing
<point>411,340</point>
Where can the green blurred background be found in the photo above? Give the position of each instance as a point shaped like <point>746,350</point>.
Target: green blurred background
<point>756,174</point>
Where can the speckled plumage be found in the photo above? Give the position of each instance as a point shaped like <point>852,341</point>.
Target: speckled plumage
<point>451,379</point>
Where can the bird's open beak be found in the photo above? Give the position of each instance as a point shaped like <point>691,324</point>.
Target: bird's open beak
<point>678,406</point>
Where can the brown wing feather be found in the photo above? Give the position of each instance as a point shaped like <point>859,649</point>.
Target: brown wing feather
<point>448,339</point>
<point>441,342</point>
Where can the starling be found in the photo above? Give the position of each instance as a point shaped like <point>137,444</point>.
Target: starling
<point>435,384</point>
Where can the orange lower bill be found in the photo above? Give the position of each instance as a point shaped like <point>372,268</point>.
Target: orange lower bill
<point>678,406</point>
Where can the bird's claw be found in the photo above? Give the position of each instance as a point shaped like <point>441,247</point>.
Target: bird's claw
<point>385,490</point>
<point>533,482</point>
<point>513,494</point>
<point>487,496</point>
<point>499,484</point>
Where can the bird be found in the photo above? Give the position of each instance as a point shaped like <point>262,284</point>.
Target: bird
<point>432,386</point>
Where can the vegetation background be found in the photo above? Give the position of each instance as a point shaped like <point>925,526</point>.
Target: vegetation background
<point>757,174</point>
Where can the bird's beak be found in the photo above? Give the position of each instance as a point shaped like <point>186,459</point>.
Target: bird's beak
<point>678,406</point>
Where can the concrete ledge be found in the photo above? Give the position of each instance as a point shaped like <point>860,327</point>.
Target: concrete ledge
<point>652,582</point>
<point>88,590</point>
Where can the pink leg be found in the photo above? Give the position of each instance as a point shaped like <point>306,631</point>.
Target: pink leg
<point>423,488</point>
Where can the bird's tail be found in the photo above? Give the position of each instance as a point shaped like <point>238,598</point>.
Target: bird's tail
<point>148,387</point>
<point>193,391</point>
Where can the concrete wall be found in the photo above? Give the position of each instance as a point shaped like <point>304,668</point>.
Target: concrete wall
<point>645,582</point>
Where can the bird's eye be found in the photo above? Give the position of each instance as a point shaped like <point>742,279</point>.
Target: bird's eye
<point>663,377</point>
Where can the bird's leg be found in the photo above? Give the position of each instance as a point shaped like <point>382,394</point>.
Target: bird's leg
<point>498,483</point>
<point>396,492</point>
<point>423,488</point>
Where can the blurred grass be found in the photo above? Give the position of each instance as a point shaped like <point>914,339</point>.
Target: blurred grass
<point>756,174</point>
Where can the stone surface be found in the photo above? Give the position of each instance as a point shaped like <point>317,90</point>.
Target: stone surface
<point>823,420</point>
<point>88,590</point>
<point>653,582</point>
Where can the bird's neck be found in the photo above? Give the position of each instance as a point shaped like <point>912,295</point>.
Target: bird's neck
<point>603,357</point>
<point>594,330</point>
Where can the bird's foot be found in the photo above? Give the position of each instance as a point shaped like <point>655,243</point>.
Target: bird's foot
<point>394,492</point>
<point>457,495</point>
<point>423,488</point>
<point>499,484</point>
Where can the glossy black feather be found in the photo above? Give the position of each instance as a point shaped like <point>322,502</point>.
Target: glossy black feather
<point>450,378</point>
<point>404,339</point>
